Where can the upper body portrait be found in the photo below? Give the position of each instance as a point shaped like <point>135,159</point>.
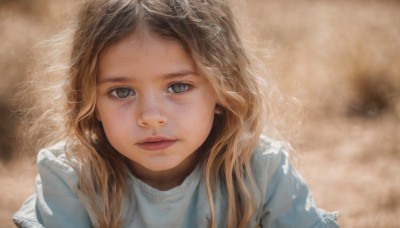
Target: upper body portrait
<point>163,128</point>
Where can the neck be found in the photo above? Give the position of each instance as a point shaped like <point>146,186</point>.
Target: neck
<point>166,179</point>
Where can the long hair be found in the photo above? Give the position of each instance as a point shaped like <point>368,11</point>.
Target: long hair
<point>208,32</point>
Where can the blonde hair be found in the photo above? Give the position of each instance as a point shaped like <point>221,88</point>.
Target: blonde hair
<point>208,31</point>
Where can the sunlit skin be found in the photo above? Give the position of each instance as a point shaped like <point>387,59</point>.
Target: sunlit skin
<point>155,107</point>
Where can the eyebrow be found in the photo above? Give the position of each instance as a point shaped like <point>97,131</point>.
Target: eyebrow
<point>122,79</point>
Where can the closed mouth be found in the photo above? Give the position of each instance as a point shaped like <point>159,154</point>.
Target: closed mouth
<point>156,143</point>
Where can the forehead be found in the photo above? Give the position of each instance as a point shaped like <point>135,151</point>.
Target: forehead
<point>144,52</point>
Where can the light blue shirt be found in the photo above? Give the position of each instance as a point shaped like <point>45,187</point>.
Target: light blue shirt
<point>284,198</point>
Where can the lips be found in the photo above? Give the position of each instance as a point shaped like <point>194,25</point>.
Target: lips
<point>156,143</point>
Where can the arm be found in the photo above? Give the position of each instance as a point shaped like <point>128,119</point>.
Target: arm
<point>55,203</point>
<point>287,200</point>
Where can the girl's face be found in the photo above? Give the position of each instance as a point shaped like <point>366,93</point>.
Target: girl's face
<point>155,107</point>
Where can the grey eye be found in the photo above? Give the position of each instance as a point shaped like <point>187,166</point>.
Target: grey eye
<point>122,92</point>
<point>178,88</point>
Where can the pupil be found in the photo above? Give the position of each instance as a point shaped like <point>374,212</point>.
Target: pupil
<point>179,88</point>
<point>123,92</point>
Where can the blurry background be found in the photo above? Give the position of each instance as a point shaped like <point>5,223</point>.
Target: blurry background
<point>338,60</point>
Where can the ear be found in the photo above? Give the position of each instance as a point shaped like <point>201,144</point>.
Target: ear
<point>218,109</point>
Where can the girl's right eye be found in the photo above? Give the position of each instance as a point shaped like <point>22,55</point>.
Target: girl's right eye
<point>122,92</point>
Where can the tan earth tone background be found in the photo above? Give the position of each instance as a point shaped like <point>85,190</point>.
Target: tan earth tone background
<point>337,64</point>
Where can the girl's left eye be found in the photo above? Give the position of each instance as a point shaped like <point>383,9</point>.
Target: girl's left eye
<point>178,88</point>
<point>122,92</point>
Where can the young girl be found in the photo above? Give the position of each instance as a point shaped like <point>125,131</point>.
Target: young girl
<point>163,128</point>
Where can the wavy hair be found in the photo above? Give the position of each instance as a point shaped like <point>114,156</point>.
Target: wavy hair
<point>208,32</point>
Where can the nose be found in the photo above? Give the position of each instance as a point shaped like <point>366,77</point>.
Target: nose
<point>151,113</point>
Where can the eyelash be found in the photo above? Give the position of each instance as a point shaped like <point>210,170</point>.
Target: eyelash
<point>113,91</point>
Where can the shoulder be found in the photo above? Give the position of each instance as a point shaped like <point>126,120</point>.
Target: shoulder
<point>52,154</point>
<point>57,202</point>
<point>52,162</point>
<point>285,198</point>
<point>267,157</point>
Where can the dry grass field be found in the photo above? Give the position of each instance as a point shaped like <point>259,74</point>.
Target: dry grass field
<point>337,65</point>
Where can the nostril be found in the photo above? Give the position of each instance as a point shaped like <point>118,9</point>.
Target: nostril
<point>152,120</point>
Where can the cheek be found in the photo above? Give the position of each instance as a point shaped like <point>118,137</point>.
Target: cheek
<point>116,131</point>
<point>109,111</point>
<point>198,119</point>
<point>113,122</point>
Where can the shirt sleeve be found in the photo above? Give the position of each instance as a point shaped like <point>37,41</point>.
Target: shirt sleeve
<point>287,200</point>
<point>55,203</point>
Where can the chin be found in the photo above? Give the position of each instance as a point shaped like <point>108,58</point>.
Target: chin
<point>161,165</point>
